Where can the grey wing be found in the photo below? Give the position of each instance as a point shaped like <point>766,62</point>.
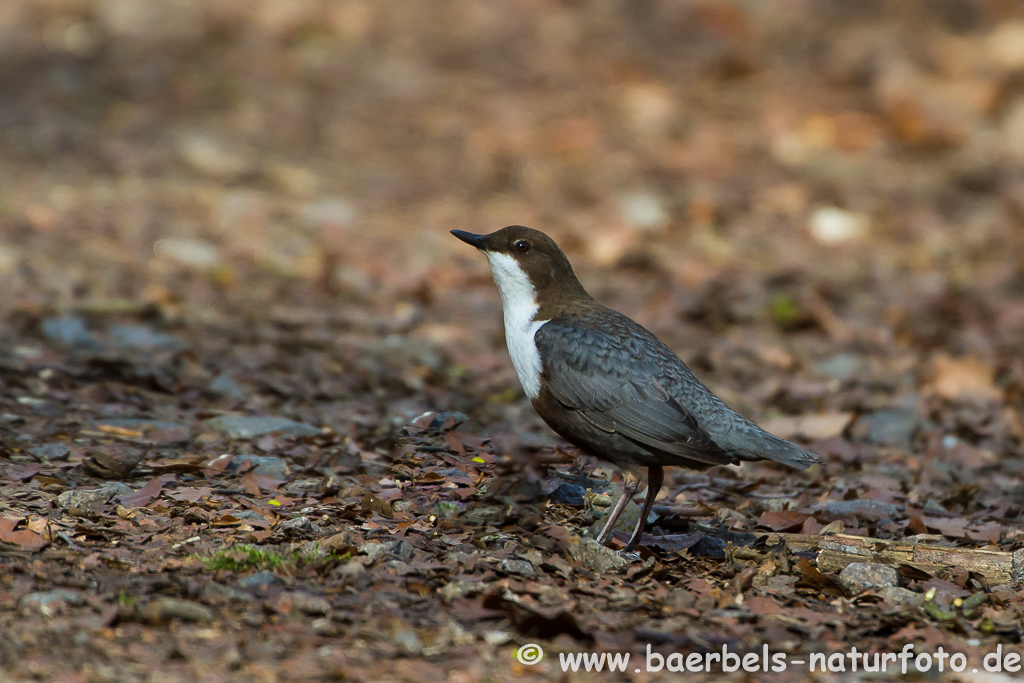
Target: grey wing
<point>616,389</point>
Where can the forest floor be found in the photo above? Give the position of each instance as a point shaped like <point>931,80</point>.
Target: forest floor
<point>257,420</point>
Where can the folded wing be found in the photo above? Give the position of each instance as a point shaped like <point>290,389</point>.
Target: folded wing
<point>615,388</point>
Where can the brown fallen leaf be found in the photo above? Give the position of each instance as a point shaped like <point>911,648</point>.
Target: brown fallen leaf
<point>783,520</point>
<point>147,493</point>
<point>812,426</point>
<point>29,540</point>
<point>964,378</point>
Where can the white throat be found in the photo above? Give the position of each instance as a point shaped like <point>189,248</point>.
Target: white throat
<point>519,307</point>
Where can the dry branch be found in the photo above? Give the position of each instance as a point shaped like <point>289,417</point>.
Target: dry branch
<point>835,551</point>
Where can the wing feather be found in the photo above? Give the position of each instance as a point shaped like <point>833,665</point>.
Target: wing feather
<point>616,389</point>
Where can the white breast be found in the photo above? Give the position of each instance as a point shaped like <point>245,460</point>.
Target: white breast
<point>519,307</point>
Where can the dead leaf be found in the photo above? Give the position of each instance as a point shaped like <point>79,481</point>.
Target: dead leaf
<point>783,520</point>
<point>147,493</point>
<point>25,538</point>
<point>964,378</point>
<point>813,426</point>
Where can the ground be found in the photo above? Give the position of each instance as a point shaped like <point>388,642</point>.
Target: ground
<point>257,421</point>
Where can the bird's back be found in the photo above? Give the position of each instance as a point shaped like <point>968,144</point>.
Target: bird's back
<point>638,354</point>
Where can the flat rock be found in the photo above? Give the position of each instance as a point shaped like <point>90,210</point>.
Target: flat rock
<point>167,609</point>
<point>84,497</point>
<point>313,605</point>
<point>626,521</point>
<point>262,465</point>
<point>141,337</point>
<point>901,596</point>
<point>51,451</point>
<point>840,366</point>
<point>226,386</point>
<point>860,576</point>
<point>259,580</point>
<point>48,601</point>
<point>590,554</point>
<point>518,567</point>
<point>69,331</point>
<point>238,427</point>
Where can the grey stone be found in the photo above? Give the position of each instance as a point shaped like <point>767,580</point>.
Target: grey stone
<point>225,385</point>
<point>460,589</point>
<point>626,521</point>
<point>141,337</point>
<point>237,427</point>
<point>861,576</point>
<point>216,592</point>
<point>51,451</point>
<point>268,466</point>
<point>313,605</point>
<point>372,549</point>
<point>262,465</point>
<point>680,598</point>
<point>83,497</point>
<point>47,601</point>
<point>324,626</point>
<point>258,580</point>
<point>248,514</point>
<point>840,366</point>
<point>901,596</point>
<point>891,427</point>
<point>300,523</point>
<point>568,494</point>
<point>166,609</point>
<point>519,567</point>
<point>69,331</point>
<point>407,641</point>
<point>349,570</point>
<point>873,510</point>
<point>590,554</point>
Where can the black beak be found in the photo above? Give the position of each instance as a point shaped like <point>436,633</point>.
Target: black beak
<point>470,238</point>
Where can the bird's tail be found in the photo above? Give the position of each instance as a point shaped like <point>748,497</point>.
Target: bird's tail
<point>761,445</point>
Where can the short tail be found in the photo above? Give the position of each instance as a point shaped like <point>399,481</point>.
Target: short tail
<point>760,445</point>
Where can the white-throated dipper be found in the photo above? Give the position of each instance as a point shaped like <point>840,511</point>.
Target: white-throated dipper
<point>606,384</point>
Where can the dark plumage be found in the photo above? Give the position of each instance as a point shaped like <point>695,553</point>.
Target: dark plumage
<point>608,385</point>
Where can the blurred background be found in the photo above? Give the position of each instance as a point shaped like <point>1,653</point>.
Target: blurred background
<point>783,190</point>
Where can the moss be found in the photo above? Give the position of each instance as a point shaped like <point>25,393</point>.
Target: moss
<point>242,557</point>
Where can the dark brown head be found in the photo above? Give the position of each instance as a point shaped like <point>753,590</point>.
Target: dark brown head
<point>527,266</point>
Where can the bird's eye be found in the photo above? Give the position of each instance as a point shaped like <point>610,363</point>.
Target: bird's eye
<point>522,246</point>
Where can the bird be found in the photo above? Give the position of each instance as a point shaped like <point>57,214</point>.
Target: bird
<point>608,385</point>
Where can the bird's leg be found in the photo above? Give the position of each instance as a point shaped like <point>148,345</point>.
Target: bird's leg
<point>630,483</point>
<point>655,477</point>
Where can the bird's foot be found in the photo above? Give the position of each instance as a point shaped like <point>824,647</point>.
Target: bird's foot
<point>629,555</point>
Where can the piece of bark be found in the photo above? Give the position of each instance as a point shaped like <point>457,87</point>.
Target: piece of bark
<point>835,551</point>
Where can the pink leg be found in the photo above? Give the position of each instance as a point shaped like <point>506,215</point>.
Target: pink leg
<point>630,483</point>
<point>655,477</point>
